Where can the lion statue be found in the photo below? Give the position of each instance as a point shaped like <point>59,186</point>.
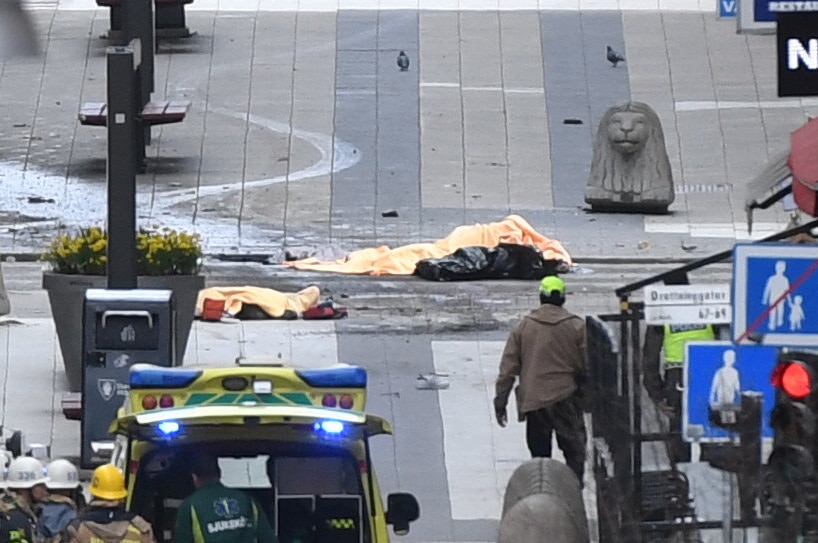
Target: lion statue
<point>630,170</point>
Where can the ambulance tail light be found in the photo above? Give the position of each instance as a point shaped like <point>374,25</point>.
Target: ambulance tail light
<point>150,376</point>
<point>345,401</point>
<point>166,401</point>
<point>149,402</point>
<point>337,377</point>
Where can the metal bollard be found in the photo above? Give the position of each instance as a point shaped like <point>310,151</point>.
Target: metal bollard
<point>543,502</point>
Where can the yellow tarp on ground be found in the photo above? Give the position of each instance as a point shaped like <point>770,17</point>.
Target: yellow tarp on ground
<point>272,302</point>
<point>401,260</point>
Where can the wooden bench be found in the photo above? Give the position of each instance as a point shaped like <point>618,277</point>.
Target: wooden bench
<point>154,113</point>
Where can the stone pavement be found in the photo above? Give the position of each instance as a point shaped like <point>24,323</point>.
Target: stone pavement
<point>303,131</point>
<point>446,449</point>
<point>461,499</point>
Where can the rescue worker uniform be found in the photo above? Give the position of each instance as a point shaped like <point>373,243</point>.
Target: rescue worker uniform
<point>105,519</point>
<point>667,386</point>
<point>13,501</point>
<point>57,510</point>
<point>546,350</point>
<point>24,474</point>
<point>215,514</point>
<point>15,525</point>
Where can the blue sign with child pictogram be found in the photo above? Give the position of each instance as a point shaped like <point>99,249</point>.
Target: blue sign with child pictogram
<point>716,373</point>
<point>775,294</point>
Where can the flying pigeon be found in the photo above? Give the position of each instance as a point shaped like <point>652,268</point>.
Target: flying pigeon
<point>614,57</point>
<point>403,61</point>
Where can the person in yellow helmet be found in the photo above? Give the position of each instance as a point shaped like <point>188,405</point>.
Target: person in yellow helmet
<point>105,517</point>
<point>546,351</point>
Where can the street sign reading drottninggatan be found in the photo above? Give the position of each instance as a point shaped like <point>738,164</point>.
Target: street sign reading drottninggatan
<point>687,304</point>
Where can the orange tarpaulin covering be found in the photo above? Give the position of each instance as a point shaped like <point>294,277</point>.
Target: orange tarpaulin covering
<point>401,260</point>
<point>272,302</point>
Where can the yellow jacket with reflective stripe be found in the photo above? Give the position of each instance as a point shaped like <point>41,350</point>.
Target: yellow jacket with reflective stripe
<point>677,335</point>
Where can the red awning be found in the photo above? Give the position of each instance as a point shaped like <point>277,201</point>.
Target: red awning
<point>803,162</point>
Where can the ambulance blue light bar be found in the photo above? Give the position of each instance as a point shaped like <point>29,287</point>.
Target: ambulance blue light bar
<point>168,427</point>
<point>330,427</point>
<point>150,376</point>
<point>339,377</point>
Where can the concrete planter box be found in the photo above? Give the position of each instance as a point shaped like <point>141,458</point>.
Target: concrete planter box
<point>66,294</point>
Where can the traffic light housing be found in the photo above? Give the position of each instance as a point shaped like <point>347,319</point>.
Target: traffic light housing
<point>795,378</point>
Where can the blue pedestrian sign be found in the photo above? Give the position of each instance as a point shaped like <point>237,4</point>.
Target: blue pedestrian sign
<point>716,374</point>
<point>775,294</point>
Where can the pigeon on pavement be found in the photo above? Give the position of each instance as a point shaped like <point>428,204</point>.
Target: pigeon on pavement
<point>614,57</point>
<point>403,61</point>
<point>688,248</point>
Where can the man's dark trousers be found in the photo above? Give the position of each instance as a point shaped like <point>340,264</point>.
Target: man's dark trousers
<point>565,419</point>
<point>677,449</point>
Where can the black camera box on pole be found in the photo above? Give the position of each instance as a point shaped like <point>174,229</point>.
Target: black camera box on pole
<point>120,328</point>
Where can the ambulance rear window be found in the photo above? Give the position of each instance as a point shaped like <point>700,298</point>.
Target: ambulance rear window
<point>295,485</point>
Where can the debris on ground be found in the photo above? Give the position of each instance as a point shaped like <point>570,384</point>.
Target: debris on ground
<point>432,381</point>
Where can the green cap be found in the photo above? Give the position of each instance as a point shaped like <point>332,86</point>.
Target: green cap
<point>551,283</point>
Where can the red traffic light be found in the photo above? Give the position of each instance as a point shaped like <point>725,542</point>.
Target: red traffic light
<point>793,378</point>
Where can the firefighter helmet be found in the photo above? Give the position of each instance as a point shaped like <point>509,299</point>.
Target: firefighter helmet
<point>25,472</point>
<point>108,483</point>
<point>62,474</point>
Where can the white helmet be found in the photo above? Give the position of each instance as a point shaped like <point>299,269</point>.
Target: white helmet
<point>25,472</point>
<point>62,474</point>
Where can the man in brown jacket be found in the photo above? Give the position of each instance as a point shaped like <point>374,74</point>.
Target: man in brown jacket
<point>546,350</point>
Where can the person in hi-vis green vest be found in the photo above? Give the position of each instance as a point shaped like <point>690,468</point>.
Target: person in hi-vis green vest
<point>663,376</point>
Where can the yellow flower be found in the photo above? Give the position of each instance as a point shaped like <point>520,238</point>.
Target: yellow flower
<point>162,251</point>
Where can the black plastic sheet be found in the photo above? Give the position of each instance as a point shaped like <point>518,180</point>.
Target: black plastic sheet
<point>506,261</point>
